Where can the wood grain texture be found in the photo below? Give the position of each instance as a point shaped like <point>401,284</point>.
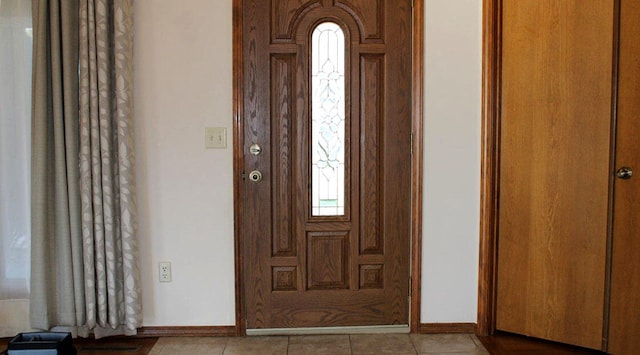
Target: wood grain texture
<point>489,183</point>
<point>417,163</point>
<point>417,172</point>
<point>370,16</point>
<point>283,81</point>
<point>447,328</point>
<point>256,227</point>
<point>396,143</point>
<point>371,118</point>
<point>554,158</point>
<point>624,325</point>
<point>325,266</point>
<point>509,344</point>
<point>189,331</point>
<point>284,15</point>
<point>238,164</point>
<point>328,260</point>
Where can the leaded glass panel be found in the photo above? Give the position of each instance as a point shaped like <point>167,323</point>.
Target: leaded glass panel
<point>328,120</point>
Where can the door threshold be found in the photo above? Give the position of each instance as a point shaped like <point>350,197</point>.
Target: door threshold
<point>374,329</point>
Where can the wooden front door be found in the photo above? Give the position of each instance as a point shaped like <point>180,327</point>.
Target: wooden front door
<point>325,189</point>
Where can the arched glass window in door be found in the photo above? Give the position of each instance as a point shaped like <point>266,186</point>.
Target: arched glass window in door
<point>328,120</point>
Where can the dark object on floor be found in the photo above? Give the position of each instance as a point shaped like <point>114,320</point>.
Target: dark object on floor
<point>41,343</point>
<point>118,345</point>
<point>512,344</point>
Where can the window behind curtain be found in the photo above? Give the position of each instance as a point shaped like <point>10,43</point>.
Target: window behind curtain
<point>15,142</point>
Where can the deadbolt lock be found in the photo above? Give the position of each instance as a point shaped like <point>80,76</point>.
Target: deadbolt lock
<point>255,149</point>
<point>255,176</point>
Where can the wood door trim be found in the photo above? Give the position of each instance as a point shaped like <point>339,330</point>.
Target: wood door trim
<point>238,164</point>
<point>416,165</point>
<point>490,151</point>
<point>187,331</point>
<point>416,160</point>
<point>447,328</point>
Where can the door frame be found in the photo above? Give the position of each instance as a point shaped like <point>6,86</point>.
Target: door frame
<point>489,165</point>
<point>416,164</point>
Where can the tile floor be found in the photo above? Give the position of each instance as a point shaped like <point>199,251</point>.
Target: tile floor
<point>397,344</point>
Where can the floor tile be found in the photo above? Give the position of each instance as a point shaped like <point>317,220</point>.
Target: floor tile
<point>382,344</point>
<point>320,345</point>
<point>444,343</point>
<point>157,350</point>
<point>190,345</point>
<point>475,339</point>
<point>276,345</point>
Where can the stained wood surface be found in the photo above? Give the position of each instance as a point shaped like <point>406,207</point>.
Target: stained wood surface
<point>417,163</point>
<point>555,137</point>
<point>509,344</point>
<point>624,326</point>
<point>306,271</point>
<point>490,168</point>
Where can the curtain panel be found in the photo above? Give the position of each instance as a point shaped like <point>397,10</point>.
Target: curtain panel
<point>85,272</point>
<point>57,294</point>
<point>107,181</point>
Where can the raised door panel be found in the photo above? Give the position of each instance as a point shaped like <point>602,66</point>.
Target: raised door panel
<point>372,114</point>
<point>555,139</point>
<point>283,79</point>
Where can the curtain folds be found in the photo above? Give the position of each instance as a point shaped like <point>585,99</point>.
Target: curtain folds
<point>106,164</point>
<point>57,295</point>
<point>87,259</point>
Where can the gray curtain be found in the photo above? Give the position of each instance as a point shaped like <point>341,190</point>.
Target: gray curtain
<point>85,272</point>
<point>57,289</point>
<point>106,164</point>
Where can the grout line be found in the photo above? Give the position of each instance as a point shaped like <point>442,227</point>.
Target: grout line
<point>288,344</point>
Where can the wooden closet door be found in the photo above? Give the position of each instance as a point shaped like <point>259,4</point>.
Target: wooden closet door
<point>554,170</point>
<point>624,328</point>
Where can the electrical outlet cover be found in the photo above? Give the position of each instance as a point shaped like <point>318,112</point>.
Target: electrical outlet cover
<point>165,271</point>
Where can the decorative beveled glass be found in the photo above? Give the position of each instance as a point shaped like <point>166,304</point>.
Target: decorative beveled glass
<point>328,120</point>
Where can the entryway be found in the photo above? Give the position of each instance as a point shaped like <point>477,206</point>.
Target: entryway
<point>324,163</point>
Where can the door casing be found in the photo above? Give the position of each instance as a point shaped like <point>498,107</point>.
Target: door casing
<point>416,163</point>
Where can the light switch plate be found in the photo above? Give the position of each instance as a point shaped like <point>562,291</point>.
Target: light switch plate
<point>215,137</point>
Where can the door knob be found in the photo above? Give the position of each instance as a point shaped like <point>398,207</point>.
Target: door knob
<point>255,176</point>
<point>624,173</point>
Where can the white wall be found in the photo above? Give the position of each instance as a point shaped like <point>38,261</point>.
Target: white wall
<point>183,84</point>
<point>185,193</point>
<point>453,77</point>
